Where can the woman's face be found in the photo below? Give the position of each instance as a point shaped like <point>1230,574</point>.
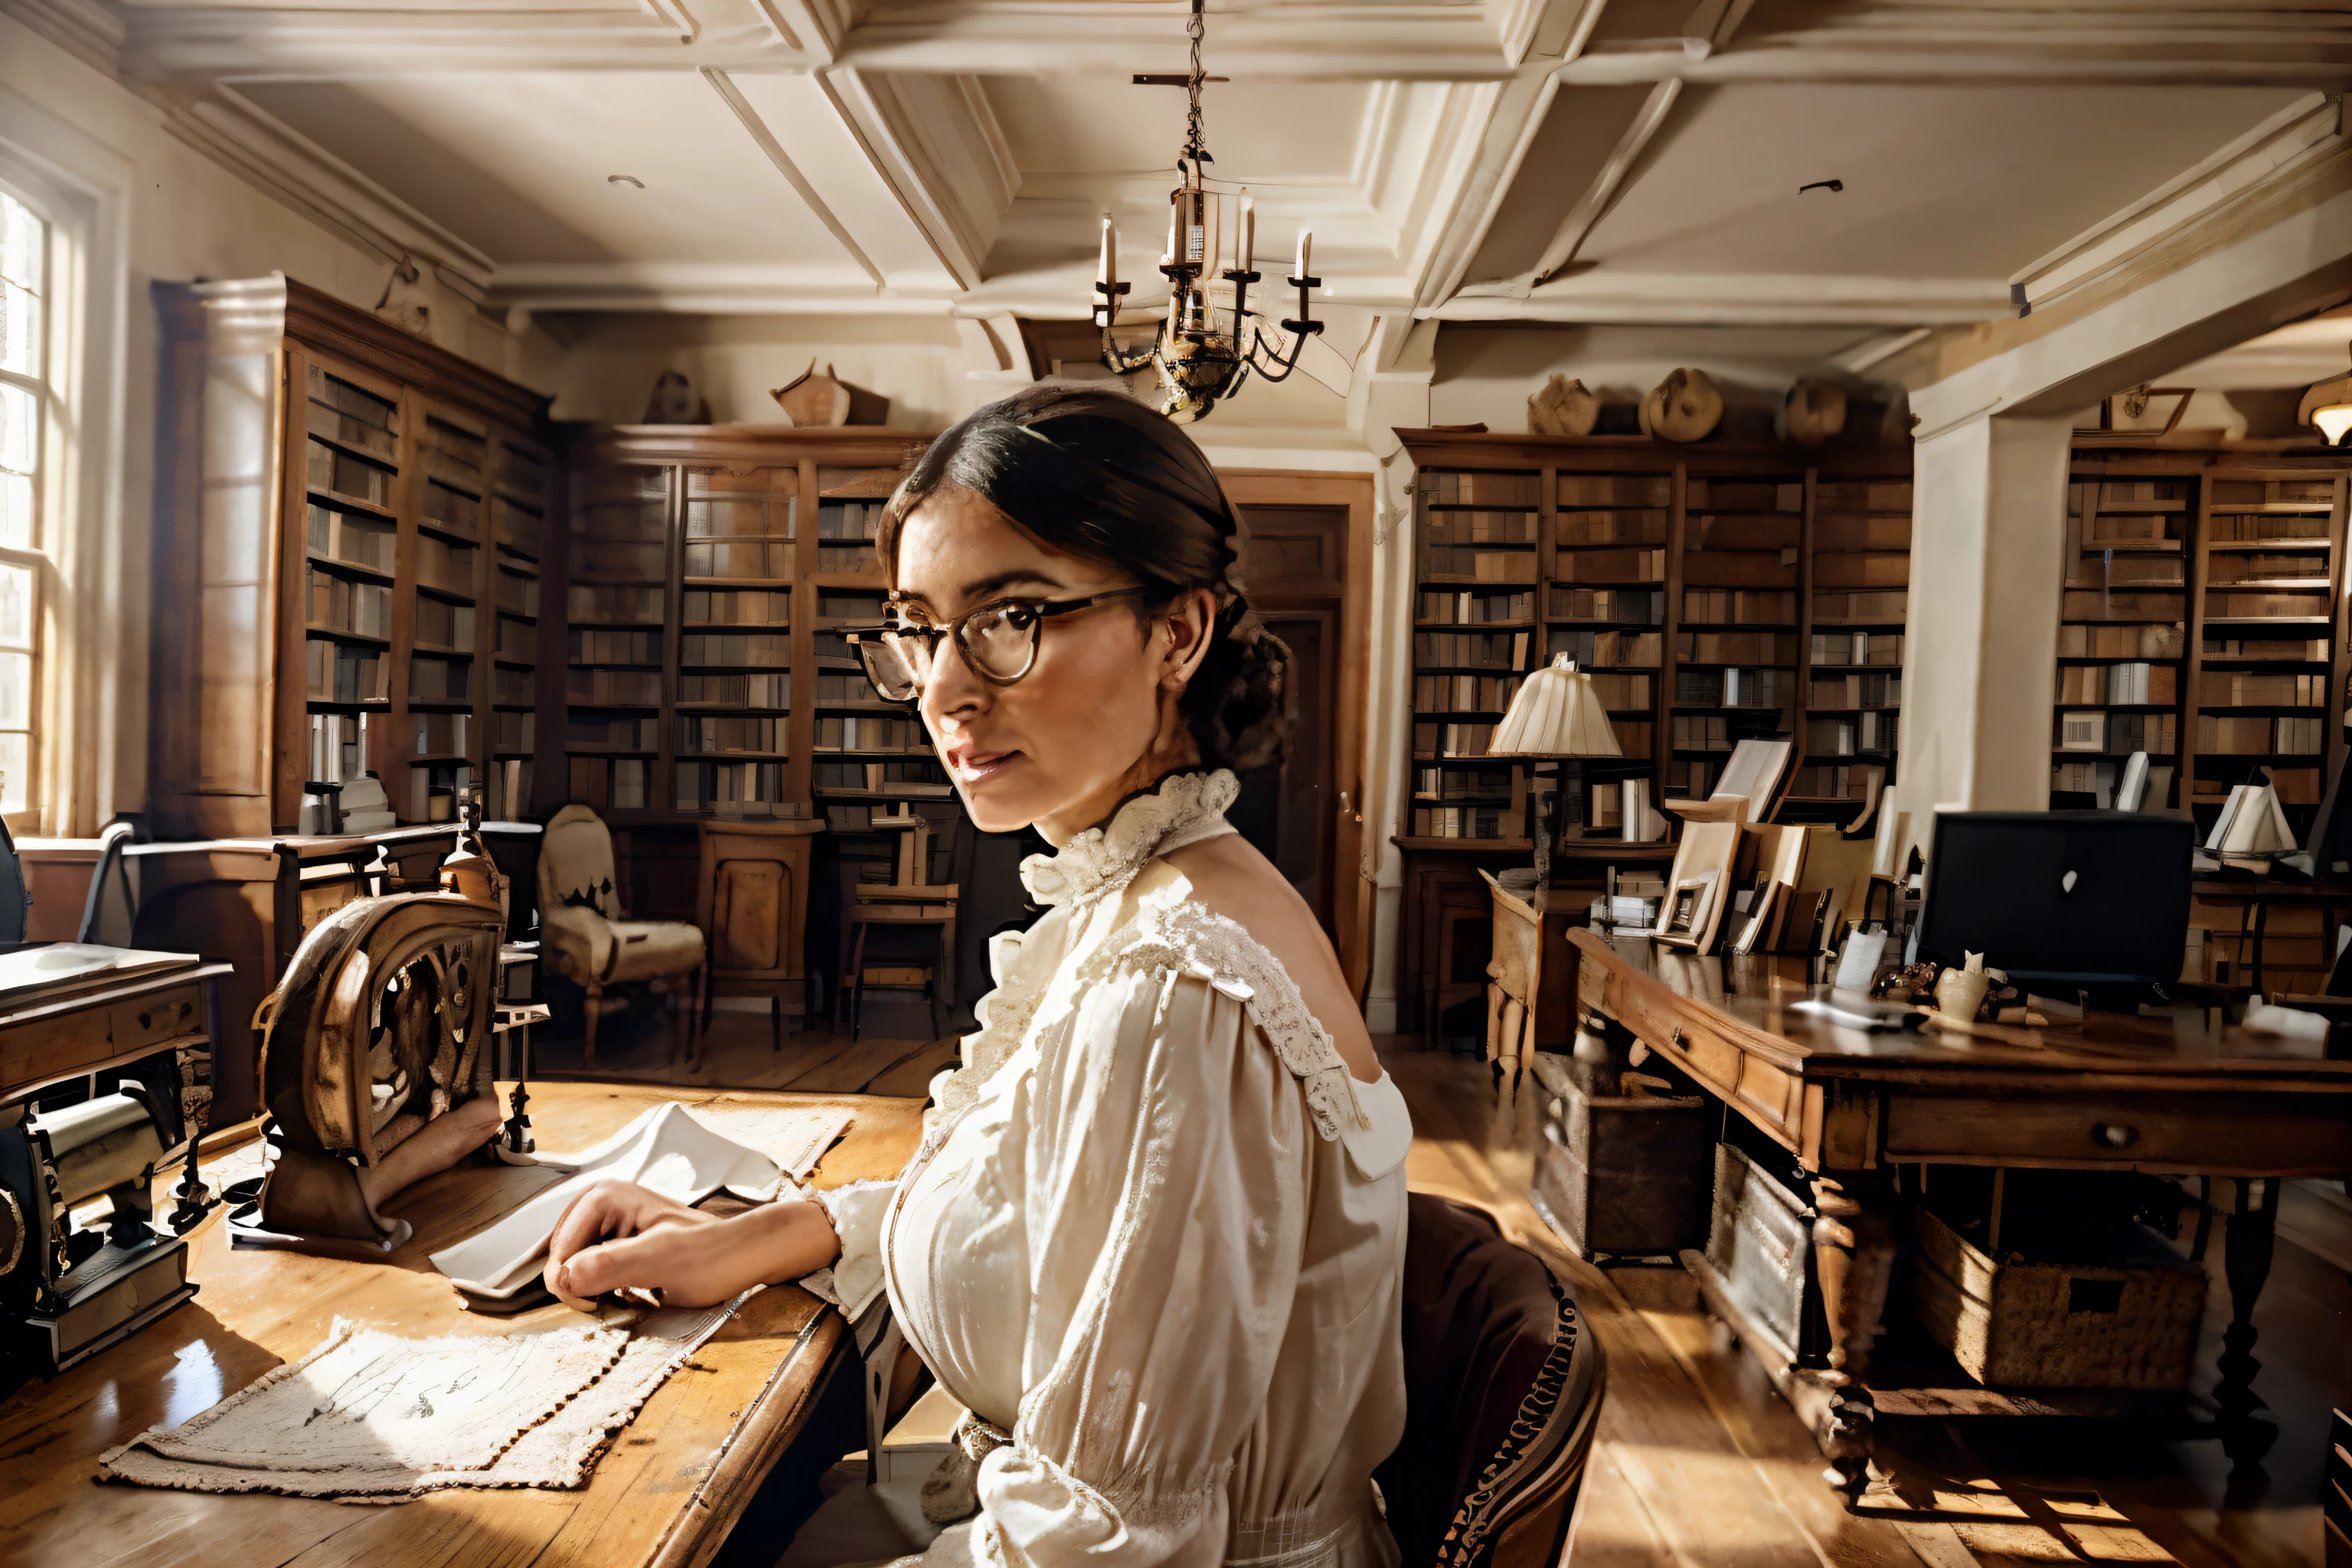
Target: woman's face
<point>1092,721</point>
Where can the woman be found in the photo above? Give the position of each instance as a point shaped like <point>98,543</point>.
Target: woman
<point>1153,1236</point>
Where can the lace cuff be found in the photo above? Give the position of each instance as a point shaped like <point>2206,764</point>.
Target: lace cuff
<point>855,1211</point>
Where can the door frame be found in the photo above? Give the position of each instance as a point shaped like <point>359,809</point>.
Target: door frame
<point>1351,890</point>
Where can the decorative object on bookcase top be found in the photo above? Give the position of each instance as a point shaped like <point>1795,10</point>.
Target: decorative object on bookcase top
<point>1555,714</point>
<point>675,402</point>
<point>1684,407</point>
<point>1813,412</point>
<point>406,304</point>
<point>813,400</point>
<point>2327,407</point>
<point>1201,360</point>
<point>1562,408</point>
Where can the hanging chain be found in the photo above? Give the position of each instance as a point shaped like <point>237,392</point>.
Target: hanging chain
<point>1193,150</point>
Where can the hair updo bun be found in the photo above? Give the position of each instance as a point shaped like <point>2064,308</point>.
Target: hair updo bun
<point>1099,475</point>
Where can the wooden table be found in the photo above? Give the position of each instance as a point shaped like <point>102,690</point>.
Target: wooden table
<point>2109,1093</point>
<point>675,1481</point>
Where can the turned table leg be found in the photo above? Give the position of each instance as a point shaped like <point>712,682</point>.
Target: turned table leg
<point>2248,1428</point>
<point>1854,1258</point>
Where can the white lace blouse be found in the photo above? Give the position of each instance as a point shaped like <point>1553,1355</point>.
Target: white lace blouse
<point>1153,1236</point>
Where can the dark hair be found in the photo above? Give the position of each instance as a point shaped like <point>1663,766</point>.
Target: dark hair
<point>1099,475</point>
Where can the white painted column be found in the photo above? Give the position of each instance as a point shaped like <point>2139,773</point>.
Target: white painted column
<point>1979,653</point>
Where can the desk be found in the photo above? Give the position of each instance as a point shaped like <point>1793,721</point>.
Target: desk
<point>676,1479</point>
<point>2111,1093</point>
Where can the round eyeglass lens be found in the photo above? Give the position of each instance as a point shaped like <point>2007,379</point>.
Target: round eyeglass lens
<point>894,665</point>
<point>1000,642</point>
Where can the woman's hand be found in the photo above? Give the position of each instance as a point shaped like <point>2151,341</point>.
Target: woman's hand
<point>618,1235</point>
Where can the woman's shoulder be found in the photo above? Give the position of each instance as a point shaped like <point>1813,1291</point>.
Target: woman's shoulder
<point>1229,880</point>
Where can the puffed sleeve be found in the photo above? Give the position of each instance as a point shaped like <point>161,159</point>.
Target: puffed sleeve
<point>1166,1207</point>
<point>855,1279</point>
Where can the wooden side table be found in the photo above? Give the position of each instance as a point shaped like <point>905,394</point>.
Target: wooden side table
<point>752,903</point>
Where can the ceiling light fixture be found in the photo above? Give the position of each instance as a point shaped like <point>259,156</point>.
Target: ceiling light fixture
<point>1199,349</point>
<point>625,180</point>
<point>2328,405</point>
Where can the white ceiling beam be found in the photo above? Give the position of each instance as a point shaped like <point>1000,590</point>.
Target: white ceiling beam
<point>258,44</point>
<point>765,139</point>
<point>1647,121</point>
<point>935,143</point>
<point>701,289</point>
<point>1692,299</point>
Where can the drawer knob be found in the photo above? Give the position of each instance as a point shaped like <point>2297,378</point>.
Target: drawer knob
<point>146,1020</point>
<point>2114,1134</point>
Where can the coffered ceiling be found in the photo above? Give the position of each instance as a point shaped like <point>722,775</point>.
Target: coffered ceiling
<point>1557,161</point>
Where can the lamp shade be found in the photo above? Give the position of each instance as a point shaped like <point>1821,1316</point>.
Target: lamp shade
<point>2328,405</point>
<point>1557,713</point>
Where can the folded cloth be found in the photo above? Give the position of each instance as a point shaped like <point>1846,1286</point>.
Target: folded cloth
<point>371,1417</point>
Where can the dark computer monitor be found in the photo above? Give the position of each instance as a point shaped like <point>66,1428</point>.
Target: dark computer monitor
<point>2088,897</point>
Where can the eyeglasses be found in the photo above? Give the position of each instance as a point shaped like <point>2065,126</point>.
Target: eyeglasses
<point>998,641</point>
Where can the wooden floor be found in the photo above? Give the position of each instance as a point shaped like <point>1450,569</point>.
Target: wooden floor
<point>1697,1463</point>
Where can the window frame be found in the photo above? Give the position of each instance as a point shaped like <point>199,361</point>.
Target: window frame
<point>52,454</point>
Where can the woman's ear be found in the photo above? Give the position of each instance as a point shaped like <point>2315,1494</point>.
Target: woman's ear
<point>1183,632</point>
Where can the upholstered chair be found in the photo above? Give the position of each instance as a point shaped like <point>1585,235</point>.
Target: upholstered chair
<point>584,932</point>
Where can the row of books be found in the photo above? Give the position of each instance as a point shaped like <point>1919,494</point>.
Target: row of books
<point>1738,607</point>
<point>1616,489</point>
<point>1621,692</point>
<point>740,558</point>
<point>2236,607</point>
<point>1478,528</point>
<point>1845,569</point>
<point>1452,740</point>
<point>1838,780</point>
<point>516,591</point>
<point>1858,648</point>
<point>1744,495</point>
<point>1736,648</point>
<point>752,515</point>
<point>1834,533</point>
<point>851,605</point>
<point>2127,572</point>
<point>736,690</point>
<point>609,602</point>
<point>517,640</point>
<point>2120,642</point>
<point>2217,735</point>
<point>870,732</point>
<point>1471,650</point>
<point>432,679</point>
<point>2312,492</point>
<point>834,686</point>
<point>735,606</point>
<point>1640,606</point>
<point>1882,607</point>
<point>517,528</point>
<point>1484,566</point>
<point>1735,688</point>
<point>1475,489</point>
<point>340,411</point>
<point>847,558</point>
<point>749,789</point>
<point>2159,734</point>
<point>442,624</point>
<point>1607,650</point>
<point>1611,566</point>
<point>512,686</point>
<point>331,470</point>
<point>614,688</point>
<point>913,779</point>
<point>596,645</point>
<point>441,734</point>
<point>1700,732</point>
<point>338,673</point>
<point>2251,528</point>
<point>697,733</point>
<point>2224,689</point>
<point>1462,785</point>
<point>1471,607</point>
<point>2134,682</point>
<point>513,732</point>
<point>2311,650</point>
<point>364,608</point>
<point>349,539</point>
<point>621,559</point>
<point>2099,780</point>
<point>2110,604</point>
<point>2225,567</point>
<point>449,509</point>
<point>610,784</point>
<point>764,650</point>
<point>617,734</point>
<point>1867,731</point>
<point>1871,691</point>
<point>1644,527</point>
<point>1463,693</point>
<point>443,565</point>
<point>1459,821</point>
<point>855,519</point>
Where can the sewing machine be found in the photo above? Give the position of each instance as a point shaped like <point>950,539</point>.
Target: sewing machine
<point>104,1075</point>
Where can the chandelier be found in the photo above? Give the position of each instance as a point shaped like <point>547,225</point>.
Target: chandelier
<point>1199,350</point>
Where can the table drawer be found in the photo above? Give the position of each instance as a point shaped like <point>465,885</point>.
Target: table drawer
<point>1694,1038</point>
<point>2250,1134</point>
<point>43,1048</point>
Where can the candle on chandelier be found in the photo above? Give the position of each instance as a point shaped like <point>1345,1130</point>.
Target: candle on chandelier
<point>1106,268</point>
<point>1248,248</point>
<point>1167,256</point>
<point>1306,248</point>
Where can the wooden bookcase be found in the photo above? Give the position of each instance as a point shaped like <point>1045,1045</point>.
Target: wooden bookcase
<point>1715,591</point>
<point>375,534</point>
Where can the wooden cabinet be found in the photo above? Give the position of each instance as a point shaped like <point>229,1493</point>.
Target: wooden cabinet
<point>752,905</point>
<point>346,564</point>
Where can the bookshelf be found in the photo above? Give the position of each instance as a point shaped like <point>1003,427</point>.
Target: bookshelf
<point>402,488</point>
<point>1715,591</point>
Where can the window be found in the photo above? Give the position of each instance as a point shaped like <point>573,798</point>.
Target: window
<point>25,416</point>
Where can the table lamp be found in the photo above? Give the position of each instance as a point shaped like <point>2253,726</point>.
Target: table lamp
<point>1556,714</point>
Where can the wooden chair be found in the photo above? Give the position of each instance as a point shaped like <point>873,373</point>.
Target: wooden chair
<point>582,929</point>
<point>752,901</point>
<point>1503,1388</point>
<point>910,901</point>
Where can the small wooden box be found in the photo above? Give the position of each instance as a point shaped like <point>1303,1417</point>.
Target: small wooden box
<point>2017,1324</point>
<point>1620,1174</point>
<point>1759,1248</point>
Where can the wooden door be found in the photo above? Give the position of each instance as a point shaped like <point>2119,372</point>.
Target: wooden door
<point>1308,568</point>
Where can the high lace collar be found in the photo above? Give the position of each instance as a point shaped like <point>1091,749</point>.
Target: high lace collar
<point>1182,808</point>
